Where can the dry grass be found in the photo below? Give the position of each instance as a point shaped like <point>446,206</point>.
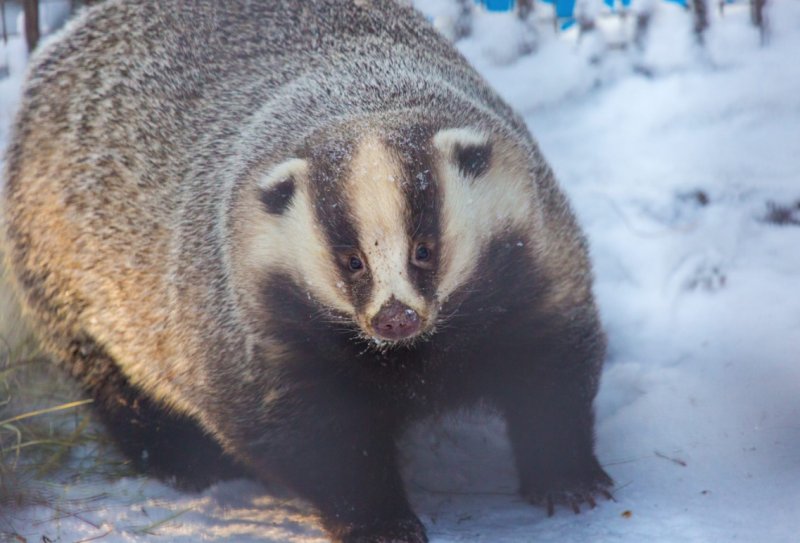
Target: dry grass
<point>48,437</point>
<point>44,420</point>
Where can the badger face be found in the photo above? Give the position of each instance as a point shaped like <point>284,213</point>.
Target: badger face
<point>382,229</point>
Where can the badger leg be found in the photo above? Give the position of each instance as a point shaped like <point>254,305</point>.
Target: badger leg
<point>552,440</point>
<point>158,442</point>
<point>336,452</point>
<point>547,403</point>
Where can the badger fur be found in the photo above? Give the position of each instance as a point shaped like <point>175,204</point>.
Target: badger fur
<point>12,324</point>
<point>267,236</point>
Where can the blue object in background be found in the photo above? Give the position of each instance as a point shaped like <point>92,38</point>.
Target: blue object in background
<point>565,11</point>
<point>497,5</point>
<point>565,8</point>
<point>625,3</point>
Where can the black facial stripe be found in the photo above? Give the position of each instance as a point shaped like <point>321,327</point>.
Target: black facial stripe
<point>505,286</point>
<point>423,201</point>
<point>298,321</point>
<point>330,168</point>
<point>277,198</point>
<point>473,160</point>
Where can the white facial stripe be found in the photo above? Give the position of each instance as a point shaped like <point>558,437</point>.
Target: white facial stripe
<point>379,204</point>
<point>460,247</point>
<point>448,138</point>
<point>292,242</point>
<point>291,168</point>
<point>476,210</point>
<point>311,254</point>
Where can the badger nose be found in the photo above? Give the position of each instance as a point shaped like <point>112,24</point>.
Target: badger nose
<point>395,321</point>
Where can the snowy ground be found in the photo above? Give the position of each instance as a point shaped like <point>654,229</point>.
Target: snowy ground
<point>674,158</point>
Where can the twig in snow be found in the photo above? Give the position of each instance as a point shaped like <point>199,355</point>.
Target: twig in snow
<point>678,461</point>
<point>149,529</point>
<point>75,515</point>
<point>628,461</point>
<point>95,538</point>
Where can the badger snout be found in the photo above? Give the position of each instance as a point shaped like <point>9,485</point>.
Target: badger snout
<point>396,321</point>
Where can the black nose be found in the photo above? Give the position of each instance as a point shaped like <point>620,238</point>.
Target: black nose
<point>395,321</point>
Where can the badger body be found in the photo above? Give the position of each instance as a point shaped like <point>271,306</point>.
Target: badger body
<point>267,236</point>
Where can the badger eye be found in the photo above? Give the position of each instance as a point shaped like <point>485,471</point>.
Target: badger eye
<point>423,256</point>
<point>355,264</point>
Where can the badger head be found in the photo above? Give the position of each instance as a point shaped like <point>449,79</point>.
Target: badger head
<point>379,229</point>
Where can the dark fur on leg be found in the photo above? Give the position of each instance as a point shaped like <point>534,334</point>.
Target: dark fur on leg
<point>553,447</point>
<point>336,449</point>
<point>166,445</point>
<point>547,404</point>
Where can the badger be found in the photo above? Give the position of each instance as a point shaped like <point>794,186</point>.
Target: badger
<point>268,236</point>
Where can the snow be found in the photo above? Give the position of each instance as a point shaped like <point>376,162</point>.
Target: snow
<point>672,157</point>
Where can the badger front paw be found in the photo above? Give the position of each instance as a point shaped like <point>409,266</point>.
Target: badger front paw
<point>569,489</point>
<point>408,530</point>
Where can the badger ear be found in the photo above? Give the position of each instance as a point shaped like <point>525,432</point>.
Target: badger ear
<point>469,150</point>
<point>277,188</point>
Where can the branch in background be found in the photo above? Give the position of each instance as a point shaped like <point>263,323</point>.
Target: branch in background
<point>31,23</point>
<point>463,23</point>
<point>758,19</point>
<point>3,18</point>
<point>524,8</point>
<point>700,13</point>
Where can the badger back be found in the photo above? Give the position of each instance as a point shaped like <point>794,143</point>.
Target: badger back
<point>137,165</point>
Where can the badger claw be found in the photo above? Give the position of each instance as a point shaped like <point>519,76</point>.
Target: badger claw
<point>571,495</point>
